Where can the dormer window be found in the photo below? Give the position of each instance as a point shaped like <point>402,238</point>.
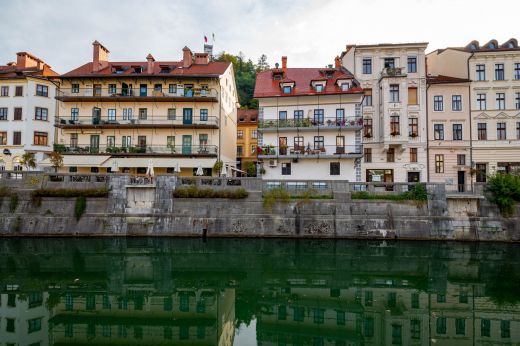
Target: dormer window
<point>329,74</point>
<point>118,69</point>
<point>138,69</point>
<point>492,45</point>
<point>253,120</point>
<point>510,45</point>
<point>319,88</point>
<point>345,87</point>
<point>165,69</point>
<point>277,76</point>
<point>287,89</point>
<point>241,120</point>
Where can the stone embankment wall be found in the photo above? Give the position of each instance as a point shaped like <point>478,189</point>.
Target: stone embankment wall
<point>150,210</point>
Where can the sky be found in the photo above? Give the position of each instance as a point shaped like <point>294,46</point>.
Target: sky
<point>309,32</point>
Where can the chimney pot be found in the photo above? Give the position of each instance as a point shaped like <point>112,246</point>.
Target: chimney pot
<point>187,57</point>
<point>150,65</point>
<point>99,56</point>
<point>284,62</point>
<point>337,62</point>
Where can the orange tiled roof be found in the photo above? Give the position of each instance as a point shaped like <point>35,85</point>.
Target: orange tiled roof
<point>11,71</point>
<point>247,116</point>
<point>441,79</point>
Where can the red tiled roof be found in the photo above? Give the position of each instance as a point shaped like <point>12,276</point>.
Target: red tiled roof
<point>212,69</point>
<point>266,86</point>
<point>9,72</point>
<point>246,116</point>
<point>441,79</point>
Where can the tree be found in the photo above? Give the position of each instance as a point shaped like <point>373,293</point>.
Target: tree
<point>28,161</point>
<point>262,65</point>
<point>56,159</point>
<point>251,169</point>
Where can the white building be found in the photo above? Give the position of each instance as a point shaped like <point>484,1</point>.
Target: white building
<point>309,123</point>
<point>394,109</point>
<point>27,110</point>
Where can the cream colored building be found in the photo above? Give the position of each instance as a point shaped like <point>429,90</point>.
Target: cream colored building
<point>124,115</point>
<point>393,77</point>
<point>27,109</point>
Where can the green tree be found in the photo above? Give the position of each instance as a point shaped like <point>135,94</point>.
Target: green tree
<point>28,161</point>
<point>251,169</point>
<point>262,65</point>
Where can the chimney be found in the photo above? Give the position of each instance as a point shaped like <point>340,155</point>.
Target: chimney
<point>284,63</point>
<point>149,68</point>
<point>99,57</point>
<point>201,58</point>
<point>337,62</point>
<point>187,58</point>
<point>26,60</point>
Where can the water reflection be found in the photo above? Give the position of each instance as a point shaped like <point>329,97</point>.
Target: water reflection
<point>147,291</point>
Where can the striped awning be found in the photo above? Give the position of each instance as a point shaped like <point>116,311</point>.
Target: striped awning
<point>79,161</point>
<point>164,162</point>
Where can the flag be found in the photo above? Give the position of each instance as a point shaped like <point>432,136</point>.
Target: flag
<point>205,39</point>
<point>213,35</point>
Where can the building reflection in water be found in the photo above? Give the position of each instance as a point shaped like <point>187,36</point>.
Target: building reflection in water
<point>187,292</point>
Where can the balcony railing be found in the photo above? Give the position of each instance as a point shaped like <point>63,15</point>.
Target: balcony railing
<point>177,150</point>
<point>393,72</point>
<point>309,150</point>
<point>326,122</point>
<point>149,120</point>
<point>119,92</point>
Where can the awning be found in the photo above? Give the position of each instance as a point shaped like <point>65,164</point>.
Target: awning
<point>237,170</point>
<point>79,160</point>
<point>164,162</point>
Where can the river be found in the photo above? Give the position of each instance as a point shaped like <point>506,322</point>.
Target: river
<point>163,291</point>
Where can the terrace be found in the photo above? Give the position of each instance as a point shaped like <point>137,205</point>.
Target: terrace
<point>152,121</point>
<point>323,151</point>
<point>97,93</point>
<point>321,123</point>
<point>164,150</point>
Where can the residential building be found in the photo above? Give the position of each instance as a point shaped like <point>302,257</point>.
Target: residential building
<point>125,116</point>
<point>393,77</point>
<point>27,108</point>
<point>494,71</point>
<point>309,123</point>
<point>449,130</point>
<point>247,137</point>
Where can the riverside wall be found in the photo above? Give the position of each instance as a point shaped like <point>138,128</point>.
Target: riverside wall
<point>150,210</point>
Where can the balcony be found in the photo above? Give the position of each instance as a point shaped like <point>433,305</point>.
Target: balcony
<point>327,123</point>
<point>393,72</point>
<point>151,121</point>
<point>326,151</point>
<point>129,94</point>
<point>164,150</point>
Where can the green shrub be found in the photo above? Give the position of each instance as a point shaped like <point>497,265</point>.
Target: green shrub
<point>13,203</point>
<point>273,196</point>
<point>415,192</point>
<point>80,207</point>
<point>99,192</point>
<point>194,192</point>
<point>504,191</point>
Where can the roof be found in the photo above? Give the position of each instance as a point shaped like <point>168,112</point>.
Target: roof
<point>212,69</point>
<point>491,46</point>
<point>247,117</point>
<point>12,71</point>
<point>441,79</point>
<point>390,45</point>
<point>266,86</point>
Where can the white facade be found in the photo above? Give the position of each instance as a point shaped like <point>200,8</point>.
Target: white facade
<point>394,79</point>
<point>24,129</point>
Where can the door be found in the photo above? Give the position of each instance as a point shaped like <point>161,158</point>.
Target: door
<point>97,89</point>
<point>96,115</point>
<point>94,144</point>
<point>187,116</point>
<point>340,144</point>
<point>143,90</point>
<point>282,145</point>
<point>413,177</point>
<point>461,181</point>
<point>186,144</point>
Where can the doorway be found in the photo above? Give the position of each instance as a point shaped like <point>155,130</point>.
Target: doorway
<point>186,144</point>
<point>414,177</point>
<point>187,116</point>
<point>461,181</point>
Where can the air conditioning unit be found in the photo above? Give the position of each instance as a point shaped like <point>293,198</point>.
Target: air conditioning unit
<point>273,163</point>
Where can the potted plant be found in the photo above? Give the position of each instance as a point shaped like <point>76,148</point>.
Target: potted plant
<point>283,149</point>
<point>329,122</point>
<point>413,134</point>
<point>217,167</point>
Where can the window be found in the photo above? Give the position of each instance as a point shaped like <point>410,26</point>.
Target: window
<point>254,134</point>
<point>367,155</point>
<point>460,326</point>
<point>9,325</point>
<point>367,100</point>
<point>501,131</point>
<point>397,338</point>
<point>505,329</point>
<point>298,115</point>
<point>438,132</point>
<point>441,325</point>
<point>481,102</point>
<point>172,88</point>
<point>367,66</point>
<point>143,113</point>
<point>203,115</point>
<point>240,134</point>
<point>369,298</point>
<point>499,71</point>
<point>112,115</point>
<point>517,71</point>
<point>319,315</point>
<point>501,101</point>
<point>412,64</point>
<point>368,327</point>
<point>456,103</point>
<point>413,154</point>
<point>112,89</point>
<point>319,142</point>
<point>111,141</point>
<point>41,113</point>
<point>461,159</point>
<point>298,313</point>
<point>287,89</point>
<point>481,172</point>
<point>415,300</point>
<point>17,113</point>
<point>42,90</point>
<point>17,138</point>
<point>463,297</point>
<point>415,329</point>
<point>438,103</point>
<point>203,139</point>
<point>394,92</point>
<point>172,113</point>
<point>240,151</point>
<point>282,312</point>
<point>73,139</point>
<point>170,141</point>
<point>345,86</point>
<point>439,168</point>
<point>334,168</point>
<point>286,168</point>
<point>319,117</point>
<point>457,132</point>
<point>35,325</point>
<point>517,101</point>
<point>482,131</point>
<point>282,115</point>
<point>412,96</point>
<point>40,138</point>
<point>389,63</point>
<point>367,128</point>
<point>3,138</point>
<point>481,72</point>
<point>74,89</point>
<point>390,155</point>
<point>394,125</point>
<point>3,113</point>
<point>518,130</point>
<point>319,88</point>
<point>4,91</point>
<point>413,127</point>
<point>340,318</point>
<point>74,114</point>
<point>127,113</point>
<point>157,87</point>
<point>340,116</point>
<point>18,91</point>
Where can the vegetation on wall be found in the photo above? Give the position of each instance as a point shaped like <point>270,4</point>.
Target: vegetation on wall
<point>195,192</point>
<point>36,195</point>
<point>415,192</point>
<point>80,207</point>
<point>504,191</point>
<point>13,202</point>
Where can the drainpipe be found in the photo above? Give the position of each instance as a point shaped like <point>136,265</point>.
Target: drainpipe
<point>427,134</point>
<point>220,121</point>
<point>470,126</point>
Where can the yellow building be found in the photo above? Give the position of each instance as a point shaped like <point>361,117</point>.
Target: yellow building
<point>247,135</point>
<point>124,116</point>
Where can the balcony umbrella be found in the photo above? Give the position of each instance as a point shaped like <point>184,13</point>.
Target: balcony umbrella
<point>114,167</point>
<point>223,171</point>
<point>199,171</point>
<point>177,168</point>
<point>149,170</point>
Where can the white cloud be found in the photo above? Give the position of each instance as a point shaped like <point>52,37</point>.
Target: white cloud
<point>309,32</point>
